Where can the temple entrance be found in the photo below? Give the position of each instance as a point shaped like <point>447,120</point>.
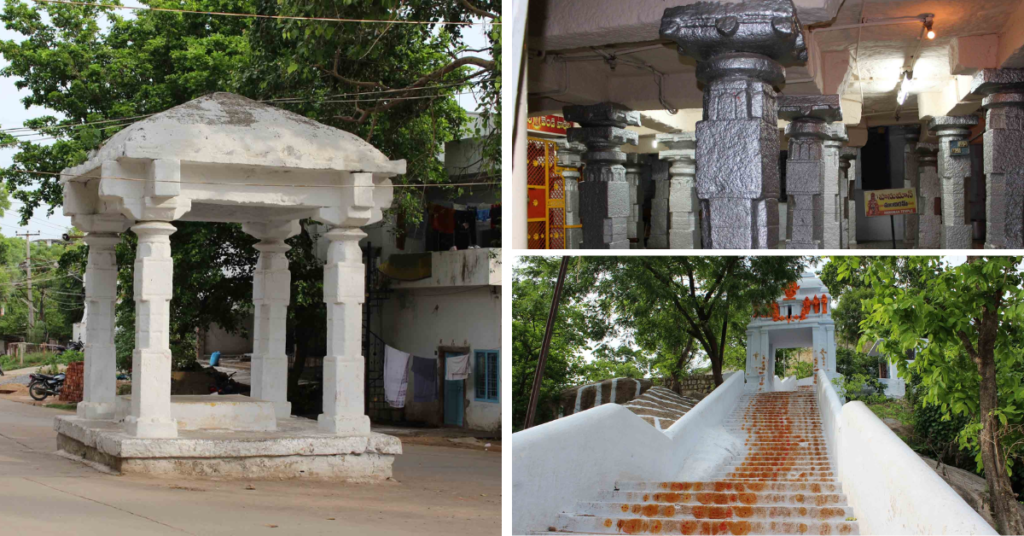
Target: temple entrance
<point>801,318</point>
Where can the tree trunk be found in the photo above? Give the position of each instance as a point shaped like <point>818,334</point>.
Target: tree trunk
<point>1004,501</point>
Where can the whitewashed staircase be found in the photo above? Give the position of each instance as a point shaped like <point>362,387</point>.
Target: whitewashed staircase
<point>784,483</point>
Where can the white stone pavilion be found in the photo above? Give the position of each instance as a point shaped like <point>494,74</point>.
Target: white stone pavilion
<point>225,158</point>
<point>801,318</point>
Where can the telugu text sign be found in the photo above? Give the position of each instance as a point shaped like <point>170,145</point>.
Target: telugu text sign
<point>890,202</point>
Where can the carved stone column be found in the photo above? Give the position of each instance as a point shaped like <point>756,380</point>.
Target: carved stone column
<point>831,198</point>
<point>569,159</point>
<point>911,180</point>
<point>739,48</point>
<point>151,361</point>
<point>99,385</point>
<point>929,219</point>
<point>271,292</point>
<point>809,168</point>
<point>344,293</point>
<point>1004,155</point>
<point>674,209</point>
<point>633,168</point>
<point>604,193</point>
<point>847,157</point>
<point>953,172</point>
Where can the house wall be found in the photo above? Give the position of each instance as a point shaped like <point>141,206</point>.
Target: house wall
<point>218,340</point>
<point>420,321</point>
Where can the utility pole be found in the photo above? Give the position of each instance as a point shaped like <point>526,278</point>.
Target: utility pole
<point>28,276</point>
<point>531,410</point>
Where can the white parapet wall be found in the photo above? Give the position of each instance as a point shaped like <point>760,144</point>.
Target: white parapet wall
<point>569,459</point>
<point>891,490</point>
<point>788,384</point>
<point>559,462</point>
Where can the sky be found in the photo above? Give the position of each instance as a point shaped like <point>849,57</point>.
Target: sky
<point>14,114</point>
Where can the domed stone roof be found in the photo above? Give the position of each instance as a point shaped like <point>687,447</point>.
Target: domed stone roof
<point>224,128</point>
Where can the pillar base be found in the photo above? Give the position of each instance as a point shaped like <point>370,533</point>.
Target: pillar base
<point>150,428</point>
<point>282,410</point>
<point>344,425</point>
<point>956,237</point>
<point>96,411</point>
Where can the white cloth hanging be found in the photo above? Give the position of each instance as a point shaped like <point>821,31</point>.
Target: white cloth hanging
<point>396,376</point>
<point>457,367</point>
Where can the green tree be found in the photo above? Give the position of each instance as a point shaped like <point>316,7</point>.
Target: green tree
<point>710,299</point>
<point>964,324</point>
<point>531,301</point>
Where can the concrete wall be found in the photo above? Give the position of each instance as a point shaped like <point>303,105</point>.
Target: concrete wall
<point>420,321</point>
<point>218,340</point>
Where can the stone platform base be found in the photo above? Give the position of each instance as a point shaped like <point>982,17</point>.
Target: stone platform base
<point>208,412</point>
<point>297,449</point>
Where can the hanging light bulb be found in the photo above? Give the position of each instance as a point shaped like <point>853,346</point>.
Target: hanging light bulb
<point>902,89</point>
<point>931,33</point>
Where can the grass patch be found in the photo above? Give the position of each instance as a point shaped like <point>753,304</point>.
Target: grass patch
<point>8,362</point>
<point>69,407</point>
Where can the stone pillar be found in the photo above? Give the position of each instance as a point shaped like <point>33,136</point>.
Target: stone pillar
<point>674,209</point>
<point>569,159</point>
<point>271,292</point>
<point>604,193</point>
<point>633,180</point>
<point>739,48</point>
<point>344,292</point>
<point>953,173</point>
<point>1004,155</point>
<point>809,168</point>
<point>151,361</point>
<point>830,186</point>
<point>100,374</point>
<point>911,180</point>
<point>847,156</point>
<point>929,215</point>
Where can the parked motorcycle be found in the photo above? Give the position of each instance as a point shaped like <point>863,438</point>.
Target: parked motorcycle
<point>41,386</point>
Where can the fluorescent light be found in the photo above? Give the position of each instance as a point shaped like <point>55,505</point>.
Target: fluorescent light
<point>903,89</point>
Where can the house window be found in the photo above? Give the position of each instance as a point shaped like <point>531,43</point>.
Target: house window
<point>487,372</point>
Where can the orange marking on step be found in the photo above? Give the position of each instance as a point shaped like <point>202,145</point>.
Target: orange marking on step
<point>608,523</point>
<point>646,497</point>
<point>844,529</point>
<point>748,498</point>
<point>655,527</point>
<point>743,511</point>
<point>650,510</point>
<point>634,526</point>
<point>803,528</point>
<point>825,528</point>
<point>668,511</point>
<point>688,527</point>
<point>720,512</point>
<point>625,508</point>
<point>799,497</point>
<point>740,527</point>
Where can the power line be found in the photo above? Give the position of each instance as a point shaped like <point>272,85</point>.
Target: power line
<point>271,185</point>
<point>259,16</point>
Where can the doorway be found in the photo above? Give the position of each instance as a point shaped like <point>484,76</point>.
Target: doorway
<point>454,392</point>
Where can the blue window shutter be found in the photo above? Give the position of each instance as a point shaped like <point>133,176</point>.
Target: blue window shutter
<point>480,374</point>
<point>493,374</point>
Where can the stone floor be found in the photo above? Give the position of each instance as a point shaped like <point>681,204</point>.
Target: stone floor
<point>435,490</point>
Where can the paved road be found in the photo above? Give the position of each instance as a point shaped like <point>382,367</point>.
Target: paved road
<point>438,491</point>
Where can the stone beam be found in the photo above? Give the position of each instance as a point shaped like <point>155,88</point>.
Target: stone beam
<point>954,170</point>
<point>1003,91</point>
<point>740,49</point>
<point>954,99</point>
<point>968,55</point>
<point>1011,41</point>
<point>604,194</point>
<point>566,25</point>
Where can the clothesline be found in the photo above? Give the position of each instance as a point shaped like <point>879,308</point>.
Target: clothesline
<point>396,375</point>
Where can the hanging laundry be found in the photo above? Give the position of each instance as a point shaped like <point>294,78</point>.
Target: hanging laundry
<point>396,376</point>
<point>424,375</point>
<point>465,229</point>
<point>495,216</point>
<point>457,367</point>
<point>442,219</point>
<point>483,214</point>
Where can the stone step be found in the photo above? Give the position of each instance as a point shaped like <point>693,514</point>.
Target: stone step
<point>787,467</point>
<point>720,486</point>
<point>700,511</point>
<point>778,475</point>
<point>725,498</point>
<point>634,525</point>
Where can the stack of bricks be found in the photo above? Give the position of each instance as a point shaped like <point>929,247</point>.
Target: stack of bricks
<point>72,390</point>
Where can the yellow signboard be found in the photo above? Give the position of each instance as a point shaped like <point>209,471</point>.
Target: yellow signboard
<point>890,202</point>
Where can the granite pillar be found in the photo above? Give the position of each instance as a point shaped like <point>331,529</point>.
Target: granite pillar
<point>1004,155</point>
<point>929,219</point>
<point>740,50</point>
<point>99,384</point>
<point>674,210</point>
<point>830,186</point>
<point>910,173</point>
<point>809,167</point>
<point>954,171</point>
<point>570,160</point>
<point>633,167</point>
<point>847,178</point>
<point>604,193</point>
